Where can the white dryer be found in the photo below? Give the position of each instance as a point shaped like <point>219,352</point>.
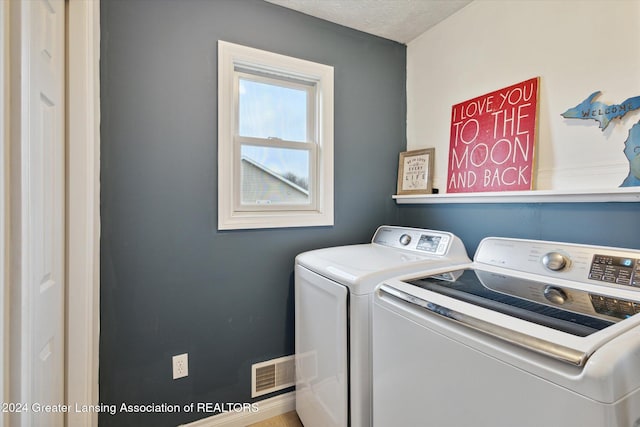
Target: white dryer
<point>333,300</point>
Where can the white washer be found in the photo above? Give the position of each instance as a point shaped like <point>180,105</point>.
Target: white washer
<point>530,334</point>
<point>333,298</point>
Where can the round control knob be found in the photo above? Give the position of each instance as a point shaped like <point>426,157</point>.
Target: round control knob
<point>555,295</point>
<point>405,239</point>
<point>555,261</point>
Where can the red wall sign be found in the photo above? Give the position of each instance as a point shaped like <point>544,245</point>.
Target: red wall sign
<point>493,139</point>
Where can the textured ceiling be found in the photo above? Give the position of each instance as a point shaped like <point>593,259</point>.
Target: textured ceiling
<point>399,20</point>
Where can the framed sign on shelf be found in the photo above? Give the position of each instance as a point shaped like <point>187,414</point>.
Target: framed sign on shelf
<point>493,139</point>
<point>415,171</point>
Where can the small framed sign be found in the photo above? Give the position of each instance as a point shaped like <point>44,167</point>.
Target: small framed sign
<point>415,171</point>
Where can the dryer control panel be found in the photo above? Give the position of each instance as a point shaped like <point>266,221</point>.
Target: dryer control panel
<point>424,241</point>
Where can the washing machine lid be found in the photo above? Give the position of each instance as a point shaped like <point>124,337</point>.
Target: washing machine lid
<point>362,267</point>
<point>511,292</point>
<point>531,300</point>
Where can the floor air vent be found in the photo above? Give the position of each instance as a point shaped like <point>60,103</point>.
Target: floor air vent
<point>272,375</point>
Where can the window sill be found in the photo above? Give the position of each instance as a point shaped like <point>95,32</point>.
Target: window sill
<point>274,219</point>
<point>627,194</point>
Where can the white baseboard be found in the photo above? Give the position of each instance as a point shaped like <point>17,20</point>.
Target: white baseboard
<point>267,408</point>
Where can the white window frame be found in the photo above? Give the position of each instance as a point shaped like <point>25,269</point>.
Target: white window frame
<point>233,61</point>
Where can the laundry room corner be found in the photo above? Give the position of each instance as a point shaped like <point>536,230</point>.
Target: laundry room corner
<point>171,282</point>
<point>487,45</point>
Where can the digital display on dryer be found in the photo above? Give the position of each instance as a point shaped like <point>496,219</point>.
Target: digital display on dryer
<point>429,243</point>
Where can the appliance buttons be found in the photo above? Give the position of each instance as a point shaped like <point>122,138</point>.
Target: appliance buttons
<point>555,295</point>
<point>555,261</point>
<point>405,239</point>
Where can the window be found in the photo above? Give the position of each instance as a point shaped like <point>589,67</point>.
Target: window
<point>275,140</point>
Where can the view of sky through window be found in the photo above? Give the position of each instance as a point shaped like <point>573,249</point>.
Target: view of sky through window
<point>272,111</point>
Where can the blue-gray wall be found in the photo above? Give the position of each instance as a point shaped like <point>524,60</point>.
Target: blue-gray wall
<point>170,282</point>
<point>608,224</point>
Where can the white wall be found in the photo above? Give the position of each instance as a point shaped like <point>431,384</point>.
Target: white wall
<point>576,47</point>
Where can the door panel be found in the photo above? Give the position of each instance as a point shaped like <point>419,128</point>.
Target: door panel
<point>41,193</point>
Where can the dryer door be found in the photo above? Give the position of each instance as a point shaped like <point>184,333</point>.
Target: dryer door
<point>322,389</point>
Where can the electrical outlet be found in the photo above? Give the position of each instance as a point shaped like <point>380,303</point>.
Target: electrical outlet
<point>180,366</point>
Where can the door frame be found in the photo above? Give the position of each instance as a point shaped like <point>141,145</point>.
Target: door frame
<point>82,205</point>
<point>4,206</point>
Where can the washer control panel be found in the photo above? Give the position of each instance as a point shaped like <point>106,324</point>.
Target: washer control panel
<point>419,240</point>
<point>615,269</point>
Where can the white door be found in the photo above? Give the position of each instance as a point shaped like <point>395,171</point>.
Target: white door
<point>41,191</point>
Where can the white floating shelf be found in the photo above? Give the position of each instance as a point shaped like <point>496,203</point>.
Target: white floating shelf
<point>626,194</point>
